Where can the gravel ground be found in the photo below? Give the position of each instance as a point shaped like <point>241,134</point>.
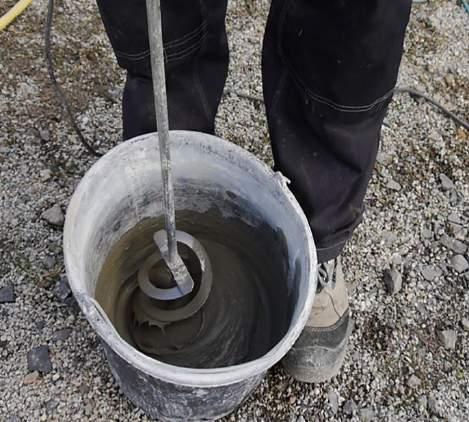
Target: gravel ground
<point>408,358</point>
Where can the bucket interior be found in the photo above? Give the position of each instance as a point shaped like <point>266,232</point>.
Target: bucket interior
<point>252,231</point>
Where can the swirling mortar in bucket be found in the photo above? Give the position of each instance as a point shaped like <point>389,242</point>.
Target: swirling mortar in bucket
<point>190,319</point>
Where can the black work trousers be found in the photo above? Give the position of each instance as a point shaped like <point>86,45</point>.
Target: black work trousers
<point>329,68</point>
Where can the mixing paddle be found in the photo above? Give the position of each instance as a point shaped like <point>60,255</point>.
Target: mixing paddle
<point>154,279</point>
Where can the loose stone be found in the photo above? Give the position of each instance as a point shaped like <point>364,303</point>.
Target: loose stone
<point>7,295</point>
<point>62,289</point>
<point>54,216</point>
<point>393,185</point>
<point>429,272</point>
<point>446,182</point>
<point>392,281</point>
<point>459,263</point>
<point>453,244</point>
<point>349,407</point>
<point>414,381</point>
<point>39,360</point>
<point>31,378</point>
<point>62,335</point>
<point>333,398</point>
<point>367,414</point>
<point>448,338</point>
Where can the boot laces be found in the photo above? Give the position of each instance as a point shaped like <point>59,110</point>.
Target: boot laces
<point>326,274</point>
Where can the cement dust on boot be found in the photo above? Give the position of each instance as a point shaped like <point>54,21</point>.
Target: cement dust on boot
<point>319,353</point>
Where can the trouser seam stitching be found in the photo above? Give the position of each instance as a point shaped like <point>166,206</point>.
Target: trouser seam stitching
<point>202,31</point>
<point>186,52</point>
<point>345,108</point>
<point>307,91</point>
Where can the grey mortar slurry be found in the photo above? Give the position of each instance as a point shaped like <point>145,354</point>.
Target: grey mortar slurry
<point>246,312</point>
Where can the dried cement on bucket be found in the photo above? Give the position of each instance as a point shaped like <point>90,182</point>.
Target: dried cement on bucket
<point>245,314</point>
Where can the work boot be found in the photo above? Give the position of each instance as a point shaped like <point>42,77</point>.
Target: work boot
<point>319,352</point>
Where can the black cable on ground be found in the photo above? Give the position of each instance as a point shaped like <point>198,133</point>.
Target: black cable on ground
<point>57,88</point>
<point>414,93</point>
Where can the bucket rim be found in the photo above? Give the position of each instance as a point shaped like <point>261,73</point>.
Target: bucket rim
<point>190,377</point>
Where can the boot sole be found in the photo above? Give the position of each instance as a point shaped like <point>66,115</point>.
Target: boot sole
<point>318,374</point>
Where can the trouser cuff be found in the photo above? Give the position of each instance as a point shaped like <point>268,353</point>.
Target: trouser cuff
<point>330,252</point>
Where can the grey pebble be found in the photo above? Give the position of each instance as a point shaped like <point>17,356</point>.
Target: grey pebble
<point>44,134</point>
<point>54,216</point>
<point>429,272</point>
<point>88,409</point>
<point>384,158</point>
<point>45,175</point>
<point>84,389</point>
<point>50,262</point>
<point>392,281</point>
<point>51,405</point>
<point>459,263</point>
<point>423,401</point>
<point>447,338</point>
<point>427,233</point>
<point>7,294</point>
<point>454,198</point>
<point>333,398</point>
<point>465,323</point>
<point>437,228</point>
<point>31,378</point>
<point>367,414</point>
<point>414,381</point>
<point>389,237</point>
<point>421,307</point>
<point>453,244</point>
<point>40,324</point>
<point>397,262</point>
<point>434,405</point>
<point>39,360</point>
<point>301,419</point>
<point>349,407</point>
<point>62,335</point>
<point>446,182</point>
<point>455,218</point>
<point>393,185</point>
<point>13,418</point>
<point>457,231</point>
<point>62,289</point>
<point>434,135</point>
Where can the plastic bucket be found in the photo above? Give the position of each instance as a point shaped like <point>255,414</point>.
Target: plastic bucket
<point>123,188</point>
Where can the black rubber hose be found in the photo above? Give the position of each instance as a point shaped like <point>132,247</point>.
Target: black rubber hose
<point>57,88</point>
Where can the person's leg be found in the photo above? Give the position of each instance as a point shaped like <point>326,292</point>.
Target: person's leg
<point>196,53</point>
<point>329,69</point>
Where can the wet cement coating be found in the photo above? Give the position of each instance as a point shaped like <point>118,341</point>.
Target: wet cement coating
<point>245,314</point>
